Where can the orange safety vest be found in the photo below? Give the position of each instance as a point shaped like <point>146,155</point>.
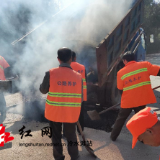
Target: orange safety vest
<point>81,69</point>
<point>3,65</point>
<point>134,80</point>
<point>63,102</point>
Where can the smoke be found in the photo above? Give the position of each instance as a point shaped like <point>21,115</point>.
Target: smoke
<point>79,25</point>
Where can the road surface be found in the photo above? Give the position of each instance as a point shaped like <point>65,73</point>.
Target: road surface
<point>104,148</point>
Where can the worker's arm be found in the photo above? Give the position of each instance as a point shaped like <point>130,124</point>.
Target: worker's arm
<point>119,83</point>
<point>44,87</point>
<point>153,69</point>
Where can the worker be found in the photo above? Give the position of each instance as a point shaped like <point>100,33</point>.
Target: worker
<point>3,66</point>
<point>133,81</point>
<point>63,103</point>
<point>145,127</point>
<point>80,69</point>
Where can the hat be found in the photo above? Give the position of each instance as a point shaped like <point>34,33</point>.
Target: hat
<point>140,122</point>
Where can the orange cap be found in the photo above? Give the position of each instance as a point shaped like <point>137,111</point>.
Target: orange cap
<point>140,122</point>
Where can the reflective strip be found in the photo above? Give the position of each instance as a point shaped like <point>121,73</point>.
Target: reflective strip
<point>84,80</point>
<point>137,85</point>
<point>84,87</point>
<point>133,73</point>
<point>1,67</point>
<point>64,104</point>
<point>71,95</point>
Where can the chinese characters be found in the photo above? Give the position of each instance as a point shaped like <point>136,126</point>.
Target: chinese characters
<point>66,83</point>
<point>4,136</point>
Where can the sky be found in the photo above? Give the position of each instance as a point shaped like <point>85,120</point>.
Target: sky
<point>157,1</point>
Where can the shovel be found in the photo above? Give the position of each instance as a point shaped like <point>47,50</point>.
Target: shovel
<point>94,115</point>
<point>90,150</point>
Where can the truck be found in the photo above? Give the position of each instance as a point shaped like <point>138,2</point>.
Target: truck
<point>126,36</point>
<point>102,60</point>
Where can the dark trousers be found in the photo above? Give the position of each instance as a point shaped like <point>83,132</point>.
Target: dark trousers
<point>70,134</point>
<point>2,108</point>
<point>122,116</point>
<point>81,117</point>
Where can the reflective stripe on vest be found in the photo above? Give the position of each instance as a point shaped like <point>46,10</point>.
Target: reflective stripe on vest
<point>1,67</point>
<point>63,104</point>
<point>2,62</point>
<point>84,80</point>
<point>84,87</point>
<point>84,83</point>
<point>71,95</point>
<point>134,72</point>
<point>137,85</point>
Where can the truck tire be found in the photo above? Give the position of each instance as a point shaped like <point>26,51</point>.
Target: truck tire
<point>115,94</point>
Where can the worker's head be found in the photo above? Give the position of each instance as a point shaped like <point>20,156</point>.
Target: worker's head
<point>64,55</point>
<point>145,127</point>
<point>73,56</point>
<point>127,57</point>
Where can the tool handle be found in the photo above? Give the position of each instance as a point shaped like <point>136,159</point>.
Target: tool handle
<point>156,87</point>
<point>90,150</point>
<point>110,108</point>
<point>80,129</point>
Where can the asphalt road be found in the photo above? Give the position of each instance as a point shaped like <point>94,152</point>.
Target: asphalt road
<point>103,147</point>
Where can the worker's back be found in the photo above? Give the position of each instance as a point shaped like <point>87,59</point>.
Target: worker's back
<point>78,68</point>
<point>81,69</point>
<point>63,102</point>
<point>134,80</point>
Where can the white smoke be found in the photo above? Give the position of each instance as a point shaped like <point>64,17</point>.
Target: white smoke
<point>78,23</point>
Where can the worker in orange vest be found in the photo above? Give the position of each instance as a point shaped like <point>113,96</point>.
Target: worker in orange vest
<point>145,127</point>
<point>80,69</point>
<point>133,81</point>
<point>3,66</point>
<point>63,104</point>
